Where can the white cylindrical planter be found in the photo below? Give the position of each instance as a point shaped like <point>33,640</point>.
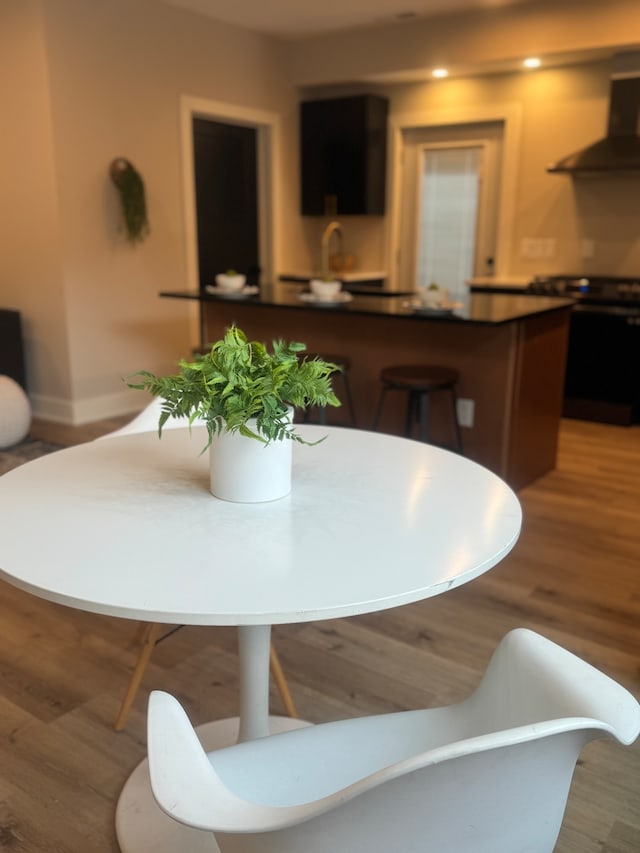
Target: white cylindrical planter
<point>245,470</point>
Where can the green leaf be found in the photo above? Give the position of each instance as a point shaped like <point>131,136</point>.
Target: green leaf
<point>240,380</point>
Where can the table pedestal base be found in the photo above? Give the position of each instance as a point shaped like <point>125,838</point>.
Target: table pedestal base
<point>142,827</point>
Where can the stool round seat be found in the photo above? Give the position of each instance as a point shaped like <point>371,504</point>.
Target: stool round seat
<point>420,381</point>
<point>419,377</point>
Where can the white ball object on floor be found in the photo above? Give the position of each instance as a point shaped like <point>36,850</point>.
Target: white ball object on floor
<point>15,413</point>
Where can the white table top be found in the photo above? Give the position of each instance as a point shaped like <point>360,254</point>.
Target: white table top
<point>128,527</point>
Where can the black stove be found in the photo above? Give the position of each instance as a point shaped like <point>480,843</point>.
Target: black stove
<point>590,290</point>
<point>602,380</point>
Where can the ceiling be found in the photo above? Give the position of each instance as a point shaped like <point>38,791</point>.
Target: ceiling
<point>292,19</point>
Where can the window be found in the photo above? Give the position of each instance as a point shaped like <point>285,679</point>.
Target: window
<point>449,207</point>
<point>449,191</point>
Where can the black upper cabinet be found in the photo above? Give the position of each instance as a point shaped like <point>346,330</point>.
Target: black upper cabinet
<point>344,155</point>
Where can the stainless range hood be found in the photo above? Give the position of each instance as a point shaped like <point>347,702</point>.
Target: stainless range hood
<point>619,151</point>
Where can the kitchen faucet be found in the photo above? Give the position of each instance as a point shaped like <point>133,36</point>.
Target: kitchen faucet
<point>332,228</point>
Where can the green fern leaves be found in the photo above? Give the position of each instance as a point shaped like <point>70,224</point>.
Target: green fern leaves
<point>239,381</point>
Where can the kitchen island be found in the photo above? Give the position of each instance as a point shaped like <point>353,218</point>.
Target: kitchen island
<point>510,351</point>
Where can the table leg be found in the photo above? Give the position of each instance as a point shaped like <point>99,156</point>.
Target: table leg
<point>253,651</point>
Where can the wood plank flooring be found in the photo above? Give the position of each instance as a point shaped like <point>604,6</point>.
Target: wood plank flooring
<point>574,576</point>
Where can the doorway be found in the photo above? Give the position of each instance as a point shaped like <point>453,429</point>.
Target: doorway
<point>450,204</point>
<point>226,196</point>
<point>267,128</point>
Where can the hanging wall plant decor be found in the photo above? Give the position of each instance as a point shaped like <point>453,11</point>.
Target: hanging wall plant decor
<point>130,187</point>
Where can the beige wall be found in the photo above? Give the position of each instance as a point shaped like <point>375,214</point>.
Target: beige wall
<point>31,263</point>
<point>561,109</point>
<point>98,81</point>
<point>483,40</point>
<point>83,82</point>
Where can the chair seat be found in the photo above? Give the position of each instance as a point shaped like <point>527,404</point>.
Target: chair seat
<point>490,774</point>
<point>419,377</point>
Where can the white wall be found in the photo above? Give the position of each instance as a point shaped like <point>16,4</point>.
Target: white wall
<point>31,262</point>
<point>84,81</point>
<point>98,81</point>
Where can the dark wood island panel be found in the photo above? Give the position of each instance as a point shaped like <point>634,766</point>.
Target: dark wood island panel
<point>514,373</point>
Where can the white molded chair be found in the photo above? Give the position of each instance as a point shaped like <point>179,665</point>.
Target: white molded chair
<point>149,634</point>
<point>489,775</point>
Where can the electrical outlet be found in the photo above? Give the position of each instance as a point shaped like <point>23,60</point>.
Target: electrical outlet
<point>466,411</point>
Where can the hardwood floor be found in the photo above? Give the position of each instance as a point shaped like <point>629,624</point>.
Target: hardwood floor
<point>574,576</point>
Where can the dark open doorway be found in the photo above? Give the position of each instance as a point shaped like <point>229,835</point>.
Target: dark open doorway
<point>226,189</point>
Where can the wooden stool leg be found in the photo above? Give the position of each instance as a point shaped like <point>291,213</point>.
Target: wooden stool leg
<point>151,632</point>
<point>281,683</point>
<point>148,634</point>
<point>141,633</point>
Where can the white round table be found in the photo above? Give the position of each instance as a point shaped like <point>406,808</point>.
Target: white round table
<point>128,527</point>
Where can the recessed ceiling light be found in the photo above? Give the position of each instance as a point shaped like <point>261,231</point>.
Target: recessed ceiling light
<point>531,62</point>
<point>439,72</point>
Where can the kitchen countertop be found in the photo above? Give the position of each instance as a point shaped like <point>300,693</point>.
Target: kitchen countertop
<point>508,349</point>
<point>509,283</point>
<point>473,308</point>
<point>346,277</point>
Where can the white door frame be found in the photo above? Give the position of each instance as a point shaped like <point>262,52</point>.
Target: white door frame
<point>268,127</point>
<point>510,115</point>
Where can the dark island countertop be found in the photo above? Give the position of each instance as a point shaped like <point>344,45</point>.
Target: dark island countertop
<point>475,308</point>
<point>508,349</point>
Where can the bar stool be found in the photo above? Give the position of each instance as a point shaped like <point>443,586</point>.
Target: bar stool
<point>420,381</point>
<point>344,363</point>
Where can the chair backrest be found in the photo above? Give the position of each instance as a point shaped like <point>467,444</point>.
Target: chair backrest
<point>489,775</point>
<point>147,420</point>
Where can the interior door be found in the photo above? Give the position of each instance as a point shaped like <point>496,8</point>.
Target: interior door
<point>226,184</point>
<point>424,167</point>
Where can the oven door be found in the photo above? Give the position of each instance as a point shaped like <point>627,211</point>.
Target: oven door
<point>603,365</point>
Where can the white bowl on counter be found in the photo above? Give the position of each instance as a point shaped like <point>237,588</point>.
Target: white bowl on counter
<point>231,283</point>
<point>433,297</point>
<point>325,290</point>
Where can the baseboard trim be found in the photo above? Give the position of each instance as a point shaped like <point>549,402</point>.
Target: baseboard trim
<point>80,412</point>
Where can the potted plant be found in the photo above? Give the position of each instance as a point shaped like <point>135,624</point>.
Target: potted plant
<point>245,396</point>
<point>130,186</point>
